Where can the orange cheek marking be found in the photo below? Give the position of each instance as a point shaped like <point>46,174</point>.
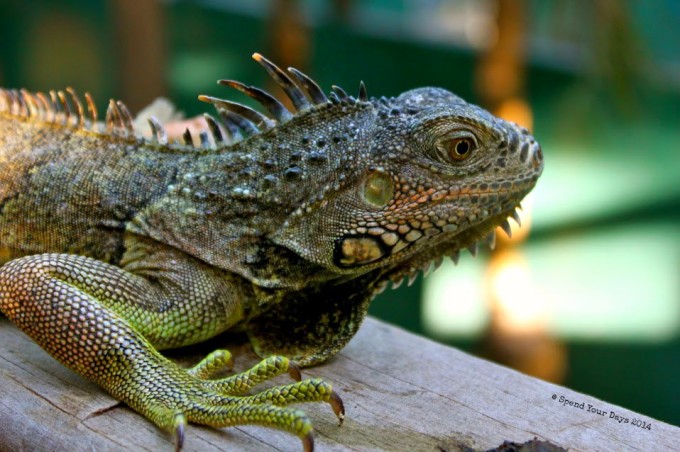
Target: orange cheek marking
<point>360,251</point>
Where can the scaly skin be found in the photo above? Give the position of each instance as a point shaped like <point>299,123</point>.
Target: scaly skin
<point>116,246</point>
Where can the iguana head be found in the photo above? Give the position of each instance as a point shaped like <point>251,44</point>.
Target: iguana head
<point>441,176</point>
<point>410,180</point>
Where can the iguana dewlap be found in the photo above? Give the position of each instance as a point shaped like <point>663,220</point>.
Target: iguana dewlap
<point>283,224</point>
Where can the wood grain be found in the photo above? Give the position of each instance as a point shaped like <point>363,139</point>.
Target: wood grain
<point>402,392</point>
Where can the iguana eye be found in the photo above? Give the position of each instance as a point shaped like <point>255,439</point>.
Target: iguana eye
<point>457,148</point>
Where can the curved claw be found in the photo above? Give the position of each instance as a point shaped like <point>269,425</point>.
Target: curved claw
<point>179,422</point>
<point>308,443</point>
<point>338,406</point>
<point>294,371</point>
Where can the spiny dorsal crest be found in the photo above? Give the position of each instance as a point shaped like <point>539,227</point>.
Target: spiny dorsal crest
<point>236,121</point>
<point>241,121</point>
<point>59,107</point>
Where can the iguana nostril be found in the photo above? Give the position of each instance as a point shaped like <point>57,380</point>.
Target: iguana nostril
<point>524,152</point>
<point>537,156</point>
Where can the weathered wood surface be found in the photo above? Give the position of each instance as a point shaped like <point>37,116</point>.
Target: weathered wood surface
<point>402,392</point>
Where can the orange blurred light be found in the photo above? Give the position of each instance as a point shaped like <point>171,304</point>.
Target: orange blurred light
<point>513,295</point>
<point>516,110</point>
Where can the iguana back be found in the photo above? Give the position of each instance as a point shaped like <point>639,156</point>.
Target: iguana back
<point>70,190</point>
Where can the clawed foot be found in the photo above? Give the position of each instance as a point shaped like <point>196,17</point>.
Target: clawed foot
<point>177,396</point>
<point>76,309</point>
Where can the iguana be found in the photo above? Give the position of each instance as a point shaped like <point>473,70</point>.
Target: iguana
<point>283,224</point>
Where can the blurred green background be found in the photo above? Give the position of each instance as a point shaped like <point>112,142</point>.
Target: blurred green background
<point>591,299</point>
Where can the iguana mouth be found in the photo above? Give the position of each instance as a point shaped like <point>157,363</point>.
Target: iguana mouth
<point>483,234</point>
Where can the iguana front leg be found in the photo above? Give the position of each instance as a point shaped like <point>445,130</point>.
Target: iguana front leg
<point>101,321</point>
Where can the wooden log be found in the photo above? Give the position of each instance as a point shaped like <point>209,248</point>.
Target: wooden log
<point>401,392</point>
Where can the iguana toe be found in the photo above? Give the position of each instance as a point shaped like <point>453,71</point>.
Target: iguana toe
<point>179,396</point>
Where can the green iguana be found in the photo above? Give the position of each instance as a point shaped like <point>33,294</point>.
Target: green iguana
<point>283,225</point>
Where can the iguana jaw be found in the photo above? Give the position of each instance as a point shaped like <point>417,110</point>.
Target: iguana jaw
<point>430,258</point>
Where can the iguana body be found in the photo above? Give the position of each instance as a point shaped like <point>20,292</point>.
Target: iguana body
<point>115,246</point>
